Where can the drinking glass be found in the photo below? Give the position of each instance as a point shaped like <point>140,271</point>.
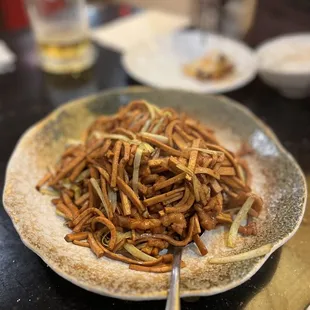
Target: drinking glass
<point>62,35</point>
<point>231,18</point>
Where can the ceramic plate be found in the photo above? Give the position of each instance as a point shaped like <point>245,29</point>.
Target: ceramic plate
<point>159,62</point>
<point>276,177</point>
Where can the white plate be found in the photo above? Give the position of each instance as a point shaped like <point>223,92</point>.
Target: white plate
<point>159,62</point>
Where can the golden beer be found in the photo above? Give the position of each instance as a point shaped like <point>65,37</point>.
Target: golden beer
<point>62,35</point>
<point>66,53</point>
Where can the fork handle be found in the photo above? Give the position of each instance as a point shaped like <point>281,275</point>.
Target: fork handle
<point>173,300</point>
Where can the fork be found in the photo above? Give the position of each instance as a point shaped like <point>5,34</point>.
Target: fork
<point>173,300</point>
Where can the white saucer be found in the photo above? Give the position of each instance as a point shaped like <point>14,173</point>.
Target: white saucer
<point>158,62</point>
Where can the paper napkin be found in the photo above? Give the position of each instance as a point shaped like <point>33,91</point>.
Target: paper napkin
<point>126,32</point>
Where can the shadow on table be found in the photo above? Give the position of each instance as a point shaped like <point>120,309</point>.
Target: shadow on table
<point>235,299</point>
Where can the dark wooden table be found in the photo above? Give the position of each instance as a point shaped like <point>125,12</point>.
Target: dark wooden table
<point>27,95</point>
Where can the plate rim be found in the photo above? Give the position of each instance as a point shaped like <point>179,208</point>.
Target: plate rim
<point>160,294</point>
<point>241,82</point>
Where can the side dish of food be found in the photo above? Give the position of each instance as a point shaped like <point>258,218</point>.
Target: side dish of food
<point>213,66</point>
<point>147,178</point>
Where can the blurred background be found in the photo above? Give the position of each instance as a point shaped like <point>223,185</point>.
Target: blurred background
<point>53,51</point>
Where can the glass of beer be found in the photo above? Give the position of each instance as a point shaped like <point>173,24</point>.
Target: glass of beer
<point>62,35</point>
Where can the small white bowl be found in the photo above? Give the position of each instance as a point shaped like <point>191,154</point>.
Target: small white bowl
<point>284,63</point>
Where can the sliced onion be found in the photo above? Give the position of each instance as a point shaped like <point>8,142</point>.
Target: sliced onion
<point>100,135</point>
<point>134,251</point>
<point>148,147</point>
<point>141,245</point>
<point>83,175</point>
<point>100,194</point>
<point>121,236</point>
<point>60,214</point>
<point>146,126</point>
<point>74,142</point>
<point>167,113</point>
<point>159,138</point>
<point>263,250</point>
<point>105,239</point>
<point>156,127</point>
<point>77,191</point>
<point>135,141</point>
<point>136,168</point>
<point>66,183</point>
<point>159,123</point>
<point>49,192</point>
<point>112,197</point>
<point>151,109</point>
<point>232,235</point>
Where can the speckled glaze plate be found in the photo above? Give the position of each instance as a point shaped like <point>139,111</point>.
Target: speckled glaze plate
<point>276,177</point>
